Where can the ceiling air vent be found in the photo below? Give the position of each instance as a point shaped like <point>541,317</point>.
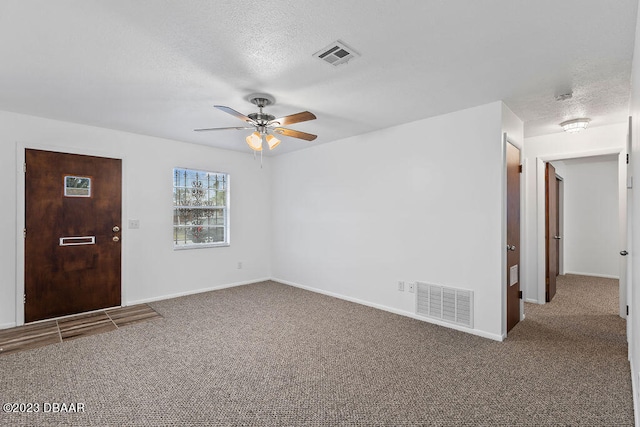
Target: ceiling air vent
<point>336,53</point>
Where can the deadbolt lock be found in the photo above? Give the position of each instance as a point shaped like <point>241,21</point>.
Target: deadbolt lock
<point>116,229</point>
<point>116,239</point>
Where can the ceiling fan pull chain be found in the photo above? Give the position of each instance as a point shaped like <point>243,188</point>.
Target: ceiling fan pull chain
<point>260,159</point>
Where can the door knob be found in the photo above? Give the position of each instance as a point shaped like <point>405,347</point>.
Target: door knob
<point>511,248</point>
<point>116,229</point>
<point>624,253</point>
<point>557,237</point>
<point>116,239</point>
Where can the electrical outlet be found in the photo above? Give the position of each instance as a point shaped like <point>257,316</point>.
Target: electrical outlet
<point>239,265</point>
<point>134,224</point>
<point>412,287</point>
<point>401,286</point>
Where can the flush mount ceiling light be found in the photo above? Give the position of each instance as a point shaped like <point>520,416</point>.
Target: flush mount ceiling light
<point>264,125</point>
<point>575,125</point>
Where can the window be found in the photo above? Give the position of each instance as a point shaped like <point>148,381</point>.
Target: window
<point>200,209</point>
<point>77,186</point>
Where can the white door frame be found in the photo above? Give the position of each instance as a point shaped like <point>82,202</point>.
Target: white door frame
<point>541,205</point>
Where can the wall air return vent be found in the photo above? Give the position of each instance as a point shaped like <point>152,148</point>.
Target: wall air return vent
<point>336,53</point>
<point>448,304</point>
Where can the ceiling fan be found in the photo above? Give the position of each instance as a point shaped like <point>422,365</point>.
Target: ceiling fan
<point>266,125</point>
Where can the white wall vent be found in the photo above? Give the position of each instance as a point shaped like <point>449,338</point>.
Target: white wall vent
<point>448,304</point>
<point>336,53</point>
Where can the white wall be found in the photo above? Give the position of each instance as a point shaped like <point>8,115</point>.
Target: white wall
<point>151,268</point>
<point>591,237</point>
<point>349,218</point>
<point>633,223</point>
<point>420,201</point>
<point>594,141</point>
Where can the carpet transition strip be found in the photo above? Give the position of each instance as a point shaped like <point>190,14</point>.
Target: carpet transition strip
<point>55,331</point>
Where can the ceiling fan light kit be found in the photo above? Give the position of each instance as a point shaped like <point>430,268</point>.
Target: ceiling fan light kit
<point>575,125</point>
<point>264,124</point>
<point>255,141</point>
<point>272,141</point>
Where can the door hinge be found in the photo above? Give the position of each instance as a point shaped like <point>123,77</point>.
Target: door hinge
<point>520,294</point>
<point>627,310</point>
<point>24,233</point>
<point>520,168</point>
<point>547,281</point>
<point>24,167</point>
<point>546,296</point>
<point>627,158</point>
<point>24,298</point>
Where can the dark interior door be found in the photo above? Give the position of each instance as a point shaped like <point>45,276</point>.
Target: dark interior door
<point>551,234</point>
<point>558,234</point>
<point>72,246</point>
<point>513,236</point>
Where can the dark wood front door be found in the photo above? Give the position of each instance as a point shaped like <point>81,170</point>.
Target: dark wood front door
<point>513,236</point>
<point>72,246</point>
<point>551,234</point>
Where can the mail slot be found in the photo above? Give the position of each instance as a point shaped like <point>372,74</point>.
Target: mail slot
<point>77,241</point>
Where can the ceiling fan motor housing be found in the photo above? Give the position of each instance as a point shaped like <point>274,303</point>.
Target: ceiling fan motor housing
<point>261,118</point>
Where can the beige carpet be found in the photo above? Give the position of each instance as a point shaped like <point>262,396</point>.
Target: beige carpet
<point>272,355</point>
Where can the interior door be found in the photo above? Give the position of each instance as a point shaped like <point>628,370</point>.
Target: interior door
<point>551,234</point>
<point>558,234</point>
<point>72,237</point>
<point>513,236</point>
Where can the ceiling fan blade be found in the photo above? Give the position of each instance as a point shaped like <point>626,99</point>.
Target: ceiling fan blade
<point>236,128</point>
<point>293,118</point>
<point>234,113</point>
<point>295,134</point>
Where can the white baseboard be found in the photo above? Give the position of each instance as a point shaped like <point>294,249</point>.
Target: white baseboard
<point>479,333</point>
<point>532,301</point>
<point>604,276</point>
<point>196,291</point>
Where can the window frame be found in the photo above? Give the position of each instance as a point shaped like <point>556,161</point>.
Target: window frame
<point>225,209</point>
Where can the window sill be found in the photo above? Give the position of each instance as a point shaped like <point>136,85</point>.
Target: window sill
<point>201,246</point>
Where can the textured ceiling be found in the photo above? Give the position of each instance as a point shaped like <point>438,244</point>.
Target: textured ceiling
<point>157,67</point>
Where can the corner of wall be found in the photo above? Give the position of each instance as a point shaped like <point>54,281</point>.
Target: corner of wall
<point>513,126</point>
